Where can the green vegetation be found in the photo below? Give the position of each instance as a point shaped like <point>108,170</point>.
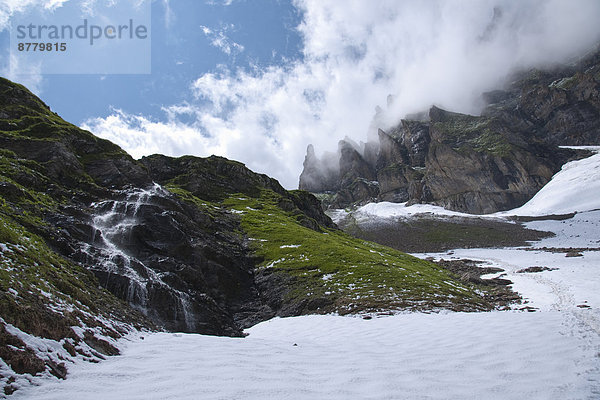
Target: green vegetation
<point>492,143</point>
<point>342,273</point>
<point>564,83</point>
<point>44,294</point>
<point>23,203</point>
<point>467,133</point>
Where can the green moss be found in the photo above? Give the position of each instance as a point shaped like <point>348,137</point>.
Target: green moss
<point>23,202</point>
<point>5,153</point>
<point>212,209</point>
<point>564,83</point>
<point>36,274</point>
<point>466,133</point>
<point>350,274</point>
<point>492,143</point>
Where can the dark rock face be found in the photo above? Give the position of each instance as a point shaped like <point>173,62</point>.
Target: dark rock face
<point>318,175</point>
<point>180,265</point>
<point>152,231</point>
<point>479,165</point>
<point>561,106</point>
<point>352,164</point>
<point>493,162</point>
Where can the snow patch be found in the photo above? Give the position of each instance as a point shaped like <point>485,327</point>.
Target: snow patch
<point>575,188</point>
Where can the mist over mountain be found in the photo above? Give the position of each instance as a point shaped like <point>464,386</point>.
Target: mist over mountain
<point>477,164</point>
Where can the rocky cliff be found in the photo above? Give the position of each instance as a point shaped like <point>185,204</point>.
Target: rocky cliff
<point>476,164</point>
<point>95,244</point>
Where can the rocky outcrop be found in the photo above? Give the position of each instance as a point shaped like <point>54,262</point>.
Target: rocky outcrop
<point>561,106</point>
<point>478,164</point>
<point>319,175</point>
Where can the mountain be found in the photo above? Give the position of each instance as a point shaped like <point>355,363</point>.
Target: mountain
<point>476,164</point>
<point>95,244</point>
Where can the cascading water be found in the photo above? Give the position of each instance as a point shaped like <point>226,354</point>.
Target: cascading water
<point>107,254</point>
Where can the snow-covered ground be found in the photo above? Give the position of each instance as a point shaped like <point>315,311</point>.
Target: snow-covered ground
<point>506,355</point>
<point>553,353</point>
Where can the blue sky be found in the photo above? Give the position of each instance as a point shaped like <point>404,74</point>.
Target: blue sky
<point>258,80</point>
<point>181,51</point>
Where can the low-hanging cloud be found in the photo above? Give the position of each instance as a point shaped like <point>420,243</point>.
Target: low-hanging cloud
<point>356,53</point>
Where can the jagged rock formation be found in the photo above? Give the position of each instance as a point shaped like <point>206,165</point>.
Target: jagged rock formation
<point>319,175</point>
<point>476,164</point>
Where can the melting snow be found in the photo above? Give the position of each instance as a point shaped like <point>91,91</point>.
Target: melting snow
<point>273,263</point>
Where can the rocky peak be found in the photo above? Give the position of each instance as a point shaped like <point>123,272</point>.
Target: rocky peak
<point>319,175</point>
<point>352,163</point>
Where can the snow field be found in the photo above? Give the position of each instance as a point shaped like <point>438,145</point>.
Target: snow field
<point>575,188</point>
<point>507,355</point>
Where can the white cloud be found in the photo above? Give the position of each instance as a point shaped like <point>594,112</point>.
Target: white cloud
<point>10,7</point>
<point>142,136</point>
<point>220,40</point>
<point>29,75</point>
<point>219,3</point>
<point>355,54</point>
<point>169,14</point>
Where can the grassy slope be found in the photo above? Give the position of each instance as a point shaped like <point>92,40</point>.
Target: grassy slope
<point>350,274</point>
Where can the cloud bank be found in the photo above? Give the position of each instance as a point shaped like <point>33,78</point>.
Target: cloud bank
<point>356,53</point>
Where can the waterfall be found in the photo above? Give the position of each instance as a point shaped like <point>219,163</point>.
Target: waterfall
<point>113,224</point>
